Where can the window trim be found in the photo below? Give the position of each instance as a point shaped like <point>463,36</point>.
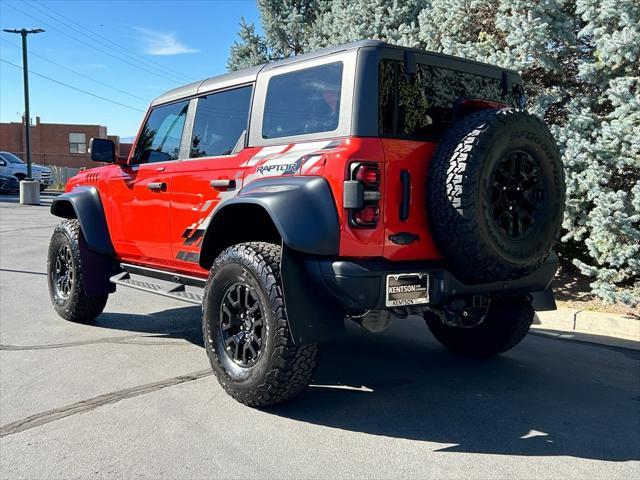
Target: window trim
<point>77,143</point>
<point>191,119</point>
<point>348,59</point>
<point>132,155</point>
<point>271,84</point>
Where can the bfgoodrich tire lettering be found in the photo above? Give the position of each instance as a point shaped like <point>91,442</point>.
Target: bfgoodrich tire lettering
<point>505,325</point>
<point>68,296</point>
<point>280,370</point>
<point>470,224</point>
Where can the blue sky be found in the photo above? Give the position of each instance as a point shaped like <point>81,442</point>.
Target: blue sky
<point>140,49</point>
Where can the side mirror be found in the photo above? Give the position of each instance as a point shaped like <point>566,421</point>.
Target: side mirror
<point>3,163</point>
<point>102,150</point>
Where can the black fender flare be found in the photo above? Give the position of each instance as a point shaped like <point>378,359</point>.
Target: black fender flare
<point>304,214</point>
<point>84,204</point>
<point>302,209</point>
<point>96,250</point>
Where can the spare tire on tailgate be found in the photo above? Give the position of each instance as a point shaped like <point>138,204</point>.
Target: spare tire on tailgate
<point>495,195</point>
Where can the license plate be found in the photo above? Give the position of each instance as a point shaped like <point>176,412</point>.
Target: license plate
<point>407,289</point>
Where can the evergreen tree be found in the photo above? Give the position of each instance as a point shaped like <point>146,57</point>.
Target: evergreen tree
<point>344,21</point>
<point>601,141</point>
<point>249,51</point>
<point>288,24</point>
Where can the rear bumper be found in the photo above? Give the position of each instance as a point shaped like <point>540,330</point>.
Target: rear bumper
<point>362,284</point>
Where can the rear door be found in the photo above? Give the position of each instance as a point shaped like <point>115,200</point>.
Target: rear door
<point>212,172</point>
<point>140,190</point>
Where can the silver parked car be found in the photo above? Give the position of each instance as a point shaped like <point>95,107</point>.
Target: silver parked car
<point>11,164</point>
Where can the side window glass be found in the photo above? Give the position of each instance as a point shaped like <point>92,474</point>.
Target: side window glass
<point>221,119</point>
<point>160,138</point>
<point>303,102</point>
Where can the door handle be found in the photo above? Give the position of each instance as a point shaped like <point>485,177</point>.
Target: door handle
<point>157,186</point>
<point>223,184</point>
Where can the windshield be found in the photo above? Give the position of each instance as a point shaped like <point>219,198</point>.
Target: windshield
<point>11,158</point>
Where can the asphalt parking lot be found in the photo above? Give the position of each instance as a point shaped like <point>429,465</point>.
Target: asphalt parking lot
<point>131,396</point>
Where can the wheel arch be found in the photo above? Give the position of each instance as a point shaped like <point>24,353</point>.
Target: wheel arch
<point>84,204</point>
<point>298,212</point>
<point>240,222</point>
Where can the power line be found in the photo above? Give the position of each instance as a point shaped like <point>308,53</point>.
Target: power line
<point>125,50</point>
<point>72,87</point>
<point>140,67</point>
<point>31,52</point>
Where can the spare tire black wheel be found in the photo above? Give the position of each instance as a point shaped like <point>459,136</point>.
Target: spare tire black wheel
<point>495,195</point>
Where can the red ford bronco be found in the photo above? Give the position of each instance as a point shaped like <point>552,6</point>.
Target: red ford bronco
<point>366,182</point>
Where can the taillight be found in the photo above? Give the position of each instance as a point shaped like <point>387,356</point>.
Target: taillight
<point>367,217</point>
<point>367,173</point>
<point>362,194</point>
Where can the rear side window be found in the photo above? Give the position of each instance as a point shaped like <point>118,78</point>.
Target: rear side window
<point>303,102</point>
<point>160,138</point>
<point>221,119</point>
<point>421,106</point>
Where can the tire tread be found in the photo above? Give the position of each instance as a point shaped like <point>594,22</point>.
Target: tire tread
<point>292,367</point>
<point>80,308</point>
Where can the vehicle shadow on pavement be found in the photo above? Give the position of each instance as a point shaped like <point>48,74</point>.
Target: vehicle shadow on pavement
<point>175,323</point>
<point>546,397</point>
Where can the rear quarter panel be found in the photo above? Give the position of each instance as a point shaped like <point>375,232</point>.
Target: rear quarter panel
<point>414,157</point>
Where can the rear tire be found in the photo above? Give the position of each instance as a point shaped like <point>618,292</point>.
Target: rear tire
<point>65,276</point>
<point>505,325</point>
<point>245,328</point>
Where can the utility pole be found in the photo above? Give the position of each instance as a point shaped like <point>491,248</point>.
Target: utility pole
<point>25,72</point>
<point>30,197</point>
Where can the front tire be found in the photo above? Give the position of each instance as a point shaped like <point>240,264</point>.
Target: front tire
<point>505,325</point>
<point>245,328</point>
<point>65,276</point>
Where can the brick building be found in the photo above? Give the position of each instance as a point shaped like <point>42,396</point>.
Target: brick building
<point>55,143</point>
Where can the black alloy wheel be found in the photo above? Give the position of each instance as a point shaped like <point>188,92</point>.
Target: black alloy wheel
<point>242,324</point>
<point>63,273</point>
<point>517,194</point>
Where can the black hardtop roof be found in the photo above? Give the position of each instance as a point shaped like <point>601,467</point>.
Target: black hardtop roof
<point>248,75</point>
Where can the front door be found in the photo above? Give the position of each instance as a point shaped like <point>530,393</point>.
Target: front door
<point>212,173</point>
<point>141,191</point>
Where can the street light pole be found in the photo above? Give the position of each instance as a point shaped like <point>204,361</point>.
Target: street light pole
<point>25,71</point>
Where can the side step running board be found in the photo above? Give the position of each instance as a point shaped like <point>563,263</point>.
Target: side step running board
<point>173,290</point>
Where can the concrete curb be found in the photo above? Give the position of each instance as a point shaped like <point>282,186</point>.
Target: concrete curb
<point>600,325</point>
